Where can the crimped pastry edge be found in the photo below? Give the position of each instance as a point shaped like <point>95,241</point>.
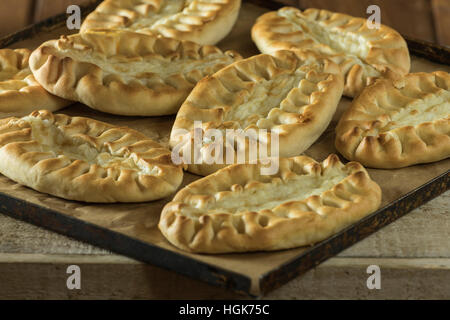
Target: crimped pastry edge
<point>312,219</point>
<point>29,98</point>
<point>295,137</point>
<point>389,54</point>
<point>85,81</point>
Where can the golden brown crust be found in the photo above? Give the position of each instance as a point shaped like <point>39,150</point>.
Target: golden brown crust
<point>20,93</point>
<point>203,21</point>
<point>83,159</point>
<point>294,94</point>
<point>125,73</point>
<point>394,124</point>
<point>237,209</point>
<point>362,53</point>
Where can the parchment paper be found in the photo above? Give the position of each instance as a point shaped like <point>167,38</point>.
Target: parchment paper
<point>140,220</point>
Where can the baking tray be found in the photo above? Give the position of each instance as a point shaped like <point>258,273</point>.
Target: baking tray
<point>131,229</point>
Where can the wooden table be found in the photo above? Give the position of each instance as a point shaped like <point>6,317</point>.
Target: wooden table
<point>413,254</point>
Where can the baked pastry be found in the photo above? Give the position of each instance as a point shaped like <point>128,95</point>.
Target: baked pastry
<point>201,21</point>
<point>292,94</point>
<point>20,93</point>
<point>395,124</point>
<point>362,53</point>
<point>123,72</point>
<point>83,159</point>
<point>238,209</point>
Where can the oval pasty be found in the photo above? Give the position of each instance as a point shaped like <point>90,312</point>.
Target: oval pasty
<point>395,124</point>
<point>291,94</point>
<point>83,159</point>
<point>362,53</point>
<point>237,209</point>
<point>20,93</point>
<point>125,73</point>
<point>201,21</point>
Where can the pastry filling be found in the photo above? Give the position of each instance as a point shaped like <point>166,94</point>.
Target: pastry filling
<point>420,111</point>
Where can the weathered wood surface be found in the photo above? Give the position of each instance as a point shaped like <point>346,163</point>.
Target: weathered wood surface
<point>413,254</point>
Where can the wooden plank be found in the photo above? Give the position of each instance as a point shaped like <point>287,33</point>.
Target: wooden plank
<point>441,12</point>
<point>14,15</point>
<point>397,14</point>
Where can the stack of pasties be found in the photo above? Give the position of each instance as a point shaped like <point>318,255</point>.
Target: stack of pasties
<point>118,71</point>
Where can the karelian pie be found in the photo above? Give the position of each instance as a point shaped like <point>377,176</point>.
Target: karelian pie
<point>394,124</point>
<point>123,72</point>
<point>362,53</point>
<point>237,209</point>
<point>20,93</point>
<point>201,21</point>
<point>82,159</point>
<point>292,94</point>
